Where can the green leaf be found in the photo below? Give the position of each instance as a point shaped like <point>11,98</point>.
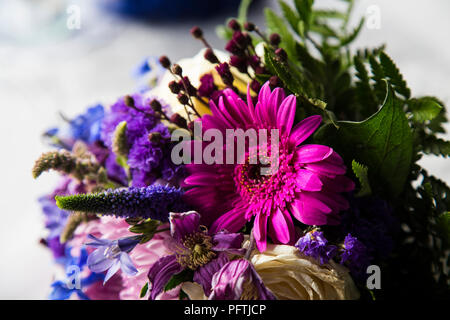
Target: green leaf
<point>394,76</point>
<point>289,76</point>
<point>436,146</point>
<point>329,14</point>
<point>383,142</point>
<point>290,15</point>
<point>360,172</point>
<point>352,36</point>
<point>304,9</point>
<point>183,276</point>
<point>276,24</point>
<point>243,10</point>
<point>143,291</point>
<point>443,223</point>
<point>423,109</point>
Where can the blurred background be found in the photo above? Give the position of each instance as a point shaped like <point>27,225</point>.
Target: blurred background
<point>50,63</point>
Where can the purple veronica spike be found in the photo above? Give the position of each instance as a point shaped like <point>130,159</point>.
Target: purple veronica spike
<point>238,280</point>
<point>112,255</point>
<point>195,249</point>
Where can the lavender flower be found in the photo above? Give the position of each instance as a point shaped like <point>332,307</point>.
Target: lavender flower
<point>153,202</point>
<point>238,280</point>
<point>195,249</point>
<point>112,255</point>
<point>315,245</point>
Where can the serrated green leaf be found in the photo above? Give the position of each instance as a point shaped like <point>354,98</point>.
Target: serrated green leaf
<point>183,276</point>
<point>352,36</point>
<point>361,172</point>
<point>443,223</point>
<point>143,291</point>
<point>436,146</point>
<point>423,109</point>
<point>383,142</point>
<point>392,73</point>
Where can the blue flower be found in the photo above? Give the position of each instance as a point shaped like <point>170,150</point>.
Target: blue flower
<point>86,127</point>
<point>112,255</point>
<point>64,289</point>
<point>314,244</point>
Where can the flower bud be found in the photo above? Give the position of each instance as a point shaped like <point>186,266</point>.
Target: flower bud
<point>183,99</point>
<point>197,32</point>
<point>156,106</point>
<point>165,62</point>
<point>154,137</point>
<point>249,26</point>
<point>281,54</point>
<point>275,39</point>
<point>129,101</point>
<point>233,24</point>
<point>174,87</point>
<point>210,56</point>
<point>177,69</point>
<point>178,120</point>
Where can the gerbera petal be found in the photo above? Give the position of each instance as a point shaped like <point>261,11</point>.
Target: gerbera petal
<point>201,179</point>
<point>304,129</point>
<point>275,101</point>
<point>308,181</point>
<point>312,216</point>
<point>264,94</point>
<point>286,114</point>
<point>260,231</point>
<point>309,153</point>
<point>231,221</point>
<point>281,227</point>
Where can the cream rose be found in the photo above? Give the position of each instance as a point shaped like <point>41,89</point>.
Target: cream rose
<point>292,276</point>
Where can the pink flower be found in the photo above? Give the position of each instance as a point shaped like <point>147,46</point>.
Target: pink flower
<point>143,256</point>
<point>307,185</point>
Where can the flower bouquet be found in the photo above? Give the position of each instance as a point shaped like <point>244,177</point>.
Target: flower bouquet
<point>283,168</point>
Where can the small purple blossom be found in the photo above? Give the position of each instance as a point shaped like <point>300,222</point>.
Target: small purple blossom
<point>207,86</point>
<point>195,249</point>
<point>354,254</point>
<point>112,255</point>
<point>238,280</point>
<point>314,244</point>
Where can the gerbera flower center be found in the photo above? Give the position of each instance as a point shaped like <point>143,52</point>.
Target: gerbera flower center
<point>197,251</point>
<point>264,180</point>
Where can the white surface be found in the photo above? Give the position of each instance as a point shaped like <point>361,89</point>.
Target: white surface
<point>37,81</point>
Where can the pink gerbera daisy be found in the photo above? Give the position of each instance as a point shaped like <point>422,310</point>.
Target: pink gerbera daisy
<point>307,185</point>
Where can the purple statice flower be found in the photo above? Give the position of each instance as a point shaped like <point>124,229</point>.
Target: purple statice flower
<point>370,219</point>
<point>195,249</point>
<point>354,254</point>
<point>148,158</point>
<point>238,280</point>
<point>64,289</point>
<point>145,155</point>
<point>138,123</point>
<point>112,255</point>
<point>314,244</point>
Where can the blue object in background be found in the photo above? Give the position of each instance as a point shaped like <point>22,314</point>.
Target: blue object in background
<point>171,9</point>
